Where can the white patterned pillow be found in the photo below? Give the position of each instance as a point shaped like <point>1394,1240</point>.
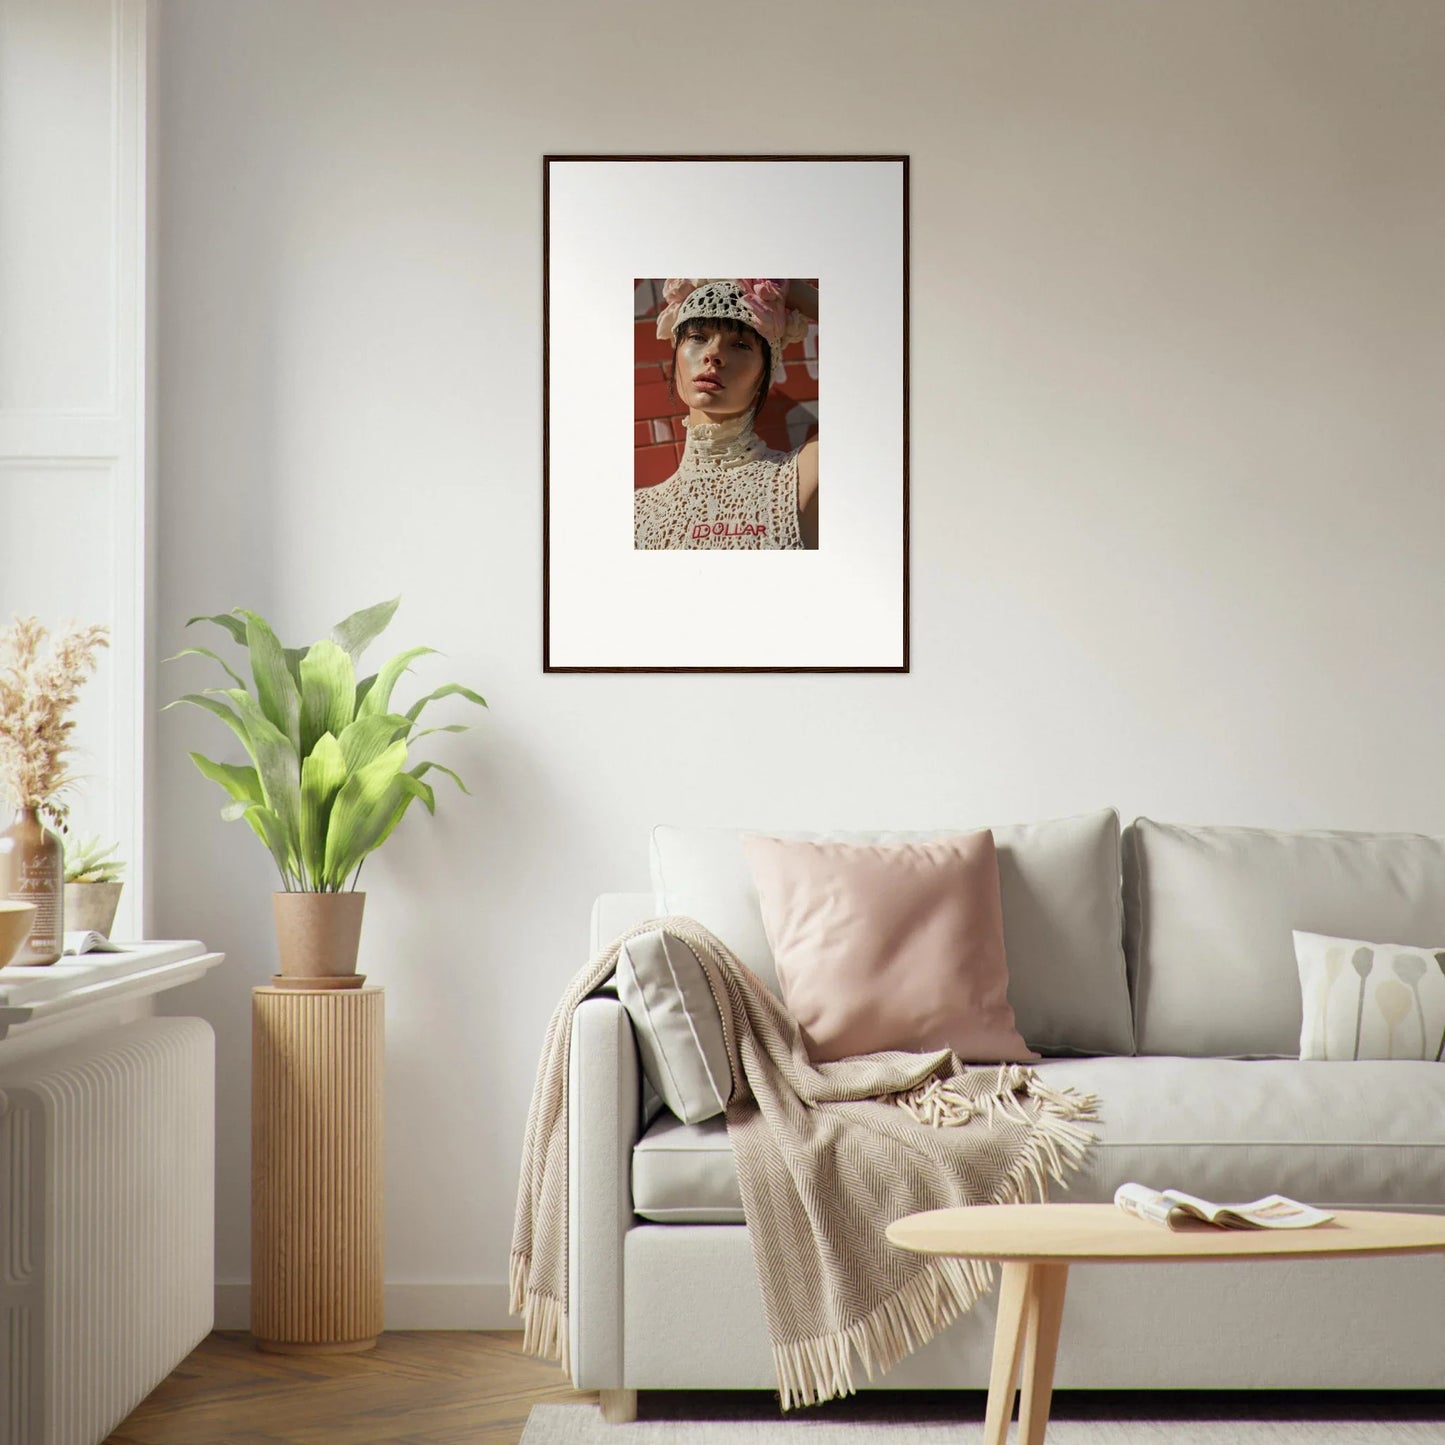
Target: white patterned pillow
<point>1370,1000</point>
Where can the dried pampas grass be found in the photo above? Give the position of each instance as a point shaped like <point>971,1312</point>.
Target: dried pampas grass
<point>39,687</point>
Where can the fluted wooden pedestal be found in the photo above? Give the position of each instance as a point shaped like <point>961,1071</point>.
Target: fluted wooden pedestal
<point>316,1169</point>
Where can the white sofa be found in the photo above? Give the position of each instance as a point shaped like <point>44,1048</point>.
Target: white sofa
<point>1163,980</point>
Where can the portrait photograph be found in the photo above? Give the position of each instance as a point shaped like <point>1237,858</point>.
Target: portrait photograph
<point>682,415</point>
<point>726,414</point>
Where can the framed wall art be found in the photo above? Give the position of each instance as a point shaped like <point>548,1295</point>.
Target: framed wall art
<point>725,458</point>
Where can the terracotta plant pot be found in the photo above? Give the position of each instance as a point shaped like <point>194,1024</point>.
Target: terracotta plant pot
<point>319,934</point>
<point>91,907</point>
<point>16,921</point>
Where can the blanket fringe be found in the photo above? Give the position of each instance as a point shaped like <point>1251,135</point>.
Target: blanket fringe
<point>1058,1143</point>
<point>544,1319</point>
<point>520,1267</point>
<point>544,1330</point>
<point>822,1368</point>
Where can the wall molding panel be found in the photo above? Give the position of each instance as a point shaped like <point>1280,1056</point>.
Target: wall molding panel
<point>73,187</point>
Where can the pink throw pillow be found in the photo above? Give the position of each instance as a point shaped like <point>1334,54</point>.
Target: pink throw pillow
<point>884,947</point>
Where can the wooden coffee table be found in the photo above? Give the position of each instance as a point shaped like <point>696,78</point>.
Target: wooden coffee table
<point>1037,1243</point>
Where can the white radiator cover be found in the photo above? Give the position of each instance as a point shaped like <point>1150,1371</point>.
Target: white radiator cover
<point>107,1199</point>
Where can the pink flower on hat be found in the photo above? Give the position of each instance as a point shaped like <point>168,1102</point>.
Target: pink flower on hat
<point>764,297</point>
<point>676,288</point>
<point>768,288</point>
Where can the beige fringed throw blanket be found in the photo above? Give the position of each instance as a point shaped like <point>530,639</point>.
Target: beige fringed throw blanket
<point>827,1156</point>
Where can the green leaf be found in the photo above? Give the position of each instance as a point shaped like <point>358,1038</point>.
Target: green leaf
<point>408,788</point>
<point>422,769</point>
<point>328,693</point>
<point>423,791</point>
<point>378,698</point>
<point>267,827</point>
<point>275,688</point>
<point>363,687</point>
<point>276,762</point>
<point>322,775</point>
<point>361,811</point>
<point>231,623</point>
<point>356,633</point>
<point>243,784</point>
<point>227,715</point>
<point>214,656</point>
<point>368,737</point>
<point>293,656</point>
<point>452,689</point>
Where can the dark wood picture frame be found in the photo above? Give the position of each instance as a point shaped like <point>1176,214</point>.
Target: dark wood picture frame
<point>549,664</point>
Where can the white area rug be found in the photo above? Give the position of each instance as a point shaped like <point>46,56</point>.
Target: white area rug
<point>1225,1418</point>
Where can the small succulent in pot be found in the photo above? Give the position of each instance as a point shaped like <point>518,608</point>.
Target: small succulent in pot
<point>91,861</point>
<point>93,886</point>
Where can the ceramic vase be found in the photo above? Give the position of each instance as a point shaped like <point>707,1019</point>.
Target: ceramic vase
<point>32,870</point>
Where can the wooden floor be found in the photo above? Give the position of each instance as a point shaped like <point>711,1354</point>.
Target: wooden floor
<point>420,1388</point>
<point>436,1387</point>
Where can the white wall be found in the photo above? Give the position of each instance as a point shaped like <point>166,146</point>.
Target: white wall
<point>1178,282</point>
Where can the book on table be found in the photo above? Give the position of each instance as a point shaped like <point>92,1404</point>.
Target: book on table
<point>88,941</point>
<point>1177,1210</point>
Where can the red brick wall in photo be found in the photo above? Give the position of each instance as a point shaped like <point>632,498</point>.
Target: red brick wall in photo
<point>790,414</point>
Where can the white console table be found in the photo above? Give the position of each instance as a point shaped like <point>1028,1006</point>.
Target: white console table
<point>72,988</point>
<point>107,1188</point>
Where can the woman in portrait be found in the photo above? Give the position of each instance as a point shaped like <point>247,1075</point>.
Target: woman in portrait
<point>731,490</point>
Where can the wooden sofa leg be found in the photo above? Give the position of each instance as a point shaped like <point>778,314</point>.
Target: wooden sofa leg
<point>619,1407</point>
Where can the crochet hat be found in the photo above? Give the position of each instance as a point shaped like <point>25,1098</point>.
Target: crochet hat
<point>756,301</point>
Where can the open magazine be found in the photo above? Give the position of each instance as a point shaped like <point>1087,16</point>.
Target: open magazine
<point>88,941</point>
<point>1177,1210</point>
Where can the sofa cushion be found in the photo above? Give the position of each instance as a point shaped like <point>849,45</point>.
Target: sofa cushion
<point>1370,1000</point>
<point>1349,1135</point>
<point>680,1039</point>
<point>889,947</point>
<point>1211,913</point>
<point>1062,915</point>
<point>685,1173</point>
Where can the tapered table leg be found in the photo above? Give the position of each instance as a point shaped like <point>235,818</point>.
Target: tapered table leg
<point>1013,1313</point>
<point>1047,1283</point>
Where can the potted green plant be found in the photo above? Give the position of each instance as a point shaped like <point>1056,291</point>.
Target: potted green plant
<point>92,886</point>
<point>330,773</point>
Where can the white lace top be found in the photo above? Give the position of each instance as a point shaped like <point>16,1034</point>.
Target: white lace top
<point>731,490</point>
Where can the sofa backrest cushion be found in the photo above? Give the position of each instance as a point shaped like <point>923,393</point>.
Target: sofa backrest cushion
<point>1062,914</point>
<point>1211,914</point>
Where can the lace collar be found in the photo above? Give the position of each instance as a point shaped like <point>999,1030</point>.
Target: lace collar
<point>729,443</point>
